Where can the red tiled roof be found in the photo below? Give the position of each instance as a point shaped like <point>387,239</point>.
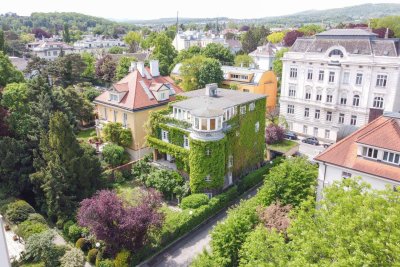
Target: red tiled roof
<point>136,96</point>
<point>383,132</point>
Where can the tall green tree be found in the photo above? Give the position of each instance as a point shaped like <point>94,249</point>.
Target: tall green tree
<point>90,66</point>
<point>68,69</point>
<point>277,63</point>
<point>2,42</point>
<point>123,67</point>
<point>8,73</point>
<point>66,35</point>
<point>243,60</point>
<point>133,40</point>
<point>249,42</point>
<point>219,52</point>
<point>164,52</point>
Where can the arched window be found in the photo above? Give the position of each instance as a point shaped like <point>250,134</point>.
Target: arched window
<point>356,100</point>
<point>378,102</point>
<point>336,52</point>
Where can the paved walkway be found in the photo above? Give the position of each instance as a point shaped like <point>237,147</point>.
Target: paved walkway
<point>182,253</point>
<point>14,247</point>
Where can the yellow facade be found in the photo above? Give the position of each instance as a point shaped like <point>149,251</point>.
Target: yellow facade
<point>135,121</point>
<point>267,85</point>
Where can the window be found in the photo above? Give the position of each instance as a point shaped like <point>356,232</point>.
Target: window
<point>230,161</point>
<point>252,106</point>
<point>315,131</point>
<point>309,74</point>
<point>327,133</point>
<point>243,110</point>
<point>257,127</point>
<point>356,100</point>
<point>293,72</point>
<point>290,109</point>
<point>341,118</point>
<point>329,98</point>
<point>164,136</point>
<point>207,178</point>
<point>346,175</point>
<point>336,52</point>
<point>204,124</point>
<point>308,95</point>
<point>346,78</point>
<point>105,114</point>
<point>125,119</point>
<point>343,99</point>
<point>54,53</point>
<point>185,142</point>
<point>114,97</point>
<point>331,77</point>
<point>196,123</point>
<point>378,102</point>
<point>321,75</point>
<point>318,96</point>
<point>381,80</point>
<point>305,129</point>
<point>115,115</point>
<point>353,120</point>
<point>359,77</point>
<point>307,112</point>
<point>329,116</point>
<point>212,124</point>
<point>317,114</point>
<point>163,96</point>
<point>391,157</point>
<point>370,152</point>
<point>246,90</point>
<point>292,90</point>
<point>210,195</point>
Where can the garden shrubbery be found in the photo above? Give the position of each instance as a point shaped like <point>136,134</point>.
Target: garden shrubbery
<point>18,211</point>
<point>194,201</point>
<point>91,256</point>
<point>28,228</point>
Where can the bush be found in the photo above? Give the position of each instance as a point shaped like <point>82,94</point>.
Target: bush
<point>66,227</point>
<point>194,201</point>
<point>4,203</point>
<point>18,211</point>
<point>106,263</point>
<point>82,244</point>
<point>74,232</point>
<point>28,228</point>
<point>91,256</point>
<point>36,264</point>
<point>60,224</point>
<point>39,246</point>
<point>36,217</point>
<point>113,154</point>
<point>122,259</point>
<point>73,258</point>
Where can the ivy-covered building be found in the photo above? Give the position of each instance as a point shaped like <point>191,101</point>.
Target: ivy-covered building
<point>215,135</point>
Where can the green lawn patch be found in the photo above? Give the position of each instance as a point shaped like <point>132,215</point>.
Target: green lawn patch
<point>283,146</point>
<point>85,134</point>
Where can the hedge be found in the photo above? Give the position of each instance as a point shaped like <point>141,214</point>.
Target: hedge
<point>18,211</point>
<point>194,201</point>
<point>28,228</point>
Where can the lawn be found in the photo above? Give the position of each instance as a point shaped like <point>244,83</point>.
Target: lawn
<point>283,146</point>
<point>86,134</point>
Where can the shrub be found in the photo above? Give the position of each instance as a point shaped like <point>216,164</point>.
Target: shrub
<point>66,227</point>
<point>36,264</point>
<point>74,232</point>
<point>122,259</point>
<point>39,246</point>
<point>18,211</point>
<point>73,258</point>
<point>113,154</point>
<point>274,134</point>
<point>60,224</point>
<point>91,256</point>
<point>106,263</point>
<point>4,203</point>
<point>194,201</point>
<point>82,244</point>
<point>28,228</point>
<point>36,217</point>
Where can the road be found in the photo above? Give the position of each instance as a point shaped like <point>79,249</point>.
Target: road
<point>182,253</point>
<point>309,150</point>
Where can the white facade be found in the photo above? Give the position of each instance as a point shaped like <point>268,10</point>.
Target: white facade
<point>50,50</point>
<point>92,43</point>
<point>335,80</point>
<point>264,56</point>
<point>184,40</point>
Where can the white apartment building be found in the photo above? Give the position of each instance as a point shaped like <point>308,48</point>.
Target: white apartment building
<point>339,77</point>
<point>92,44</point>
<point>264,56</point>
<point>49,50</point>
<point>184,40</point>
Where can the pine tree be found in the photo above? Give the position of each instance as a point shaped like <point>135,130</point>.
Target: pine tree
<point>66,35</point>
<point>2,40</point>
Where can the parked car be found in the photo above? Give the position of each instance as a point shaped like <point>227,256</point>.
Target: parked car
<point>326,145</point>
<point>290,136</point>
<point>311,140</point>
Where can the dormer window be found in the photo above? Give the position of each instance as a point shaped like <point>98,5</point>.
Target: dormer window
<point>391,157</point>
<point>336,52</point>
<point>369,152</point>
<point>113,97</point>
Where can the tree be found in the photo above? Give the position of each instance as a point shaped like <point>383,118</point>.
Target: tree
<point>73,258</point>
<point>66,172</point>
<point>249,42</point>
<point>90,65</point>
<point>68,69</point>
<point>123,67</point>
<point>105,68</point>
<point>116,50</point>
<point>2,42</point>
<point>164,52</point>
<point>8,73</point>
<point>39,247</point>
<point>40,33</point>
<point>118,224</point>
<point>148,41</point>
<point>290,182</point>
<point>275,217</point>
<point>276,37</point>
<point>114,132</point>
<point>66,35</point>
<point>38,66</point>
<point>290,37</point>
<point>133,39</point>
<point>311,29</point>
<point>391,22</point>
<point>210,72</point>
<point>277,63</point>
<point>382,32</point>
<point>274,134</point>
<point>164,181</point>
<point>243,60</point>
<point>113,154</point>
<point>219,52</point>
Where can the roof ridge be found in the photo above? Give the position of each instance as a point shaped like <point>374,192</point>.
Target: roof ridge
<point>373,129</point>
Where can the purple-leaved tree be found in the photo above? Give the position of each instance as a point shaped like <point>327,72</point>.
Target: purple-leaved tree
<point>274,133</point>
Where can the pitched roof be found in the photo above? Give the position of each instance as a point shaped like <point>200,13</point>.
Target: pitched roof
<point>137,93</point>
<point>383,132</point>
<point>347,32</point>
<point>265,50</point>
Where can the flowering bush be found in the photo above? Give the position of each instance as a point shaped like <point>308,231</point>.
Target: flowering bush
<point>274,133</point>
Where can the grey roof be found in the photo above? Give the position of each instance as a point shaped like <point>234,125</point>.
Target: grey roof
<point>207,112</point>
<point>19,63</point>
<point>198,101</point>
<point>138,56</point>
<point>346,32</point>
<point>265,50</point>
<point>257,73</point>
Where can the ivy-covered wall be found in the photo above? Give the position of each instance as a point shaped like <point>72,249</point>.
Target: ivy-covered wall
<point>203,164</point>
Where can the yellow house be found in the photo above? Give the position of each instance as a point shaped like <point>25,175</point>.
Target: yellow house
<point>130,100</point>
<point>246,80</point>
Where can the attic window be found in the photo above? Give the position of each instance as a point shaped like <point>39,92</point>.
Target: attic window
<point>336,52</point>
<point>113,97</point>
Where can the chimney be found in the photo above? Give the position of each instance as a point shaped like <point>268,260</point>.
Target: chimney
<point>132,66</point>
<point>211,89</point>
<point>154,69</point>
<point>140,68</point>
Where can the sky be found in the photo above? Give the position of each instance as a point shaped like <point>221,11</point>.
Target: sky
<point>153,9</point>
